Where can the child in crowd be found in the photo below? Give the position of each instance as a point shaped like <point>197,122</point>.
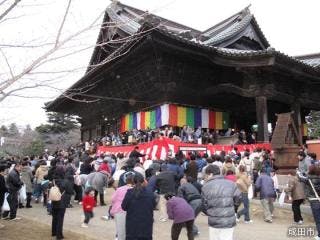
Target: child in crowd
<point>88,204</point>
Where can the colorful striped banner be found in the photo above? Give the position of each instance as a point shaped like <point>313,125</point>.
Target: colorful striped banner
<point>170,114</point>
<point>182,116</point>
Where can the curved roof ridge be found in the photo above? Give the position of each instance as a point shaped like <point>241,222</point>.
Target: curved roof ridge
<point>224,22</point>
<point>231,30</point>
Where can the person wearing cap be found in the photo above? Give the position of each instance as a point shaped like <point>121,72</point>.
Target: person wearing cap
<point>219,198</point>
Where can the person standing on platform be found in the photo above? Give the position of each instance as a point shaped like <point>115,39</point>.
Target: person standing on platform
<point>135,154</point>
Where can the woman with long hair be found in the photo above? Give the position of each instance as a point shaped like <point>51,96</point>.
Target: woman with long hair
<point>139,203</point>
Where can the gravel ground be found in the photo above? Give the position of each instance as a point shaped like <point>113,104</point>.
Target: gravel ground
<point>36,225</point>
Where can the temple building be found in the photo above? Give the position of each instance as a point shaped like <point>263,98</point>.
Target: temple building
<point>143,64</point>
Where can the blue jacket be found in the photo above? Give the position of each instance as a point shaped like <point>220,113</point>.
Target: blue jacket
<point>265,186</point>
<point>178,170</point>
<point>201,163</point>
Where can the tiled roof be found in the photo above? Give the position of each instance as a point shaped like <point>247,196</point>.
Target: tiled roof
<point>130,20</point>
<point>311,59</point>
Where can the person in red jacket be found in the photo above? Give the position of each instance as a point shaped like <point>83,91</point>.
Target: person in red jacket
<point>88,204</point>
<point>105,167</point>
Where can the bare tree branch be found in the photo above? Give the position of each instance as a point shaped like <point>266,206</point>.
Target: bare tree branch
<point>2,2</point>
<point>7,62</point>
<point>62,23</point>
<point>9,9</point>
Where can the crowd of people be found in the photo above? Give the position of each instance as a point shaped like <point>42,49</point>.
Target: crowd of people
<point>180,188</point>
<point>185,134</point>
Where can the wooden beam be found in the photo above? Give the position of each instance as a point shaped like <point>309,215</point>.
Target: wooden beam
<point>262,118</point>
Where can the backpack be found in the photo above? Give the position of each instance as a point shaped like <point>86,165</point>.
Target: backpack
<point>55,194</point>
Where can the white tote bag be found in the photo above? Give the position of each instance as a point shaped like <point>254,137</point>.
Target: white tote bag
<point>250,192</point>
<point>5,206</point>
<point>282,197</point>
<point>23,193</point>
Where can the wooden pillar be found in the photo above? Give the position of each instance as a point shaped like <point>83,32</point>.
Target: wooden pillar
<point>296,108</point>
<point>262,118</point>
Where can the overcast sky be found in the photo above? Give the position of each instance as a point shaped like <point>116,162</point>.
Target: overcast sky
<point>291,26</point>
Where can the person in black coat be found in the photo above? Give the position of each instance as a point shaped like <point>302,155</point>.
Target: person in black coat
<point>165,183</point>
<point>3,188</point>
<point>135,154</point>
<point>86,167</point>
<point>59,207</point>
<point>139,203</point>
<point>14,184</point>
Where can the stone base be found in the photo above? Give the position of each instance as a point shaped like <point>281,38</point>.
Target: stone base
<point>286,158</point>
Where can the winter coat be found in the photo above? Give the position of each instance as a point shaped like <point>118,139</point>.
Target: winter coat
<point>86,169</point>
<point>98,180</point>
<point>228,166</point>
<point>66,190</point>
<point>265,186</point>
<point>26,178</point>
<point>219,198</point>
<point>3,189</point>
<point>316,184</point>
<point>135,155</point>
<point>165,182</point>
<point>88,203</point>
<point>179,210</point>
<point>304,165</point>
<point>40,173</point>
<point>248,164</point>
<point>139,218</point>
<point>296,188</point>
<point>177,169</point>
<point>117,199</point>
<point>70,171</point>
<point>189,192</point>
<point>201,163</point>
<point>14,182</point>
<point>243,182</point>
